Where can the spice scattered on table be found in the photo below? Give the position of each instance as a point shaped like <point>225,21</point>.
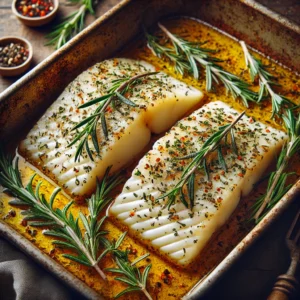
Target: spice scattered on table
<point>13,54</point>
<point>34,8</point>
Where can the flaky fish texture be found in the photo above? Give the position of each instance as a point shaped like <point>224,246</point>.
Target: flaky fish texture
<point>180,233</point>
<point>161,100</point>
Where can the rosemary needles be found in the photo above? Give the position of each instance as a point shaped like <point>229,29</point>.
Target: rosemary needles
<point>62,223</point>
<point>277,181</point>
<point>266,83</point>
<point>188,176</point>
<point>90,124</point>
<point>131,275</point>
<point>188,56</point>
<point>71,25</point>
<point>86,241</point>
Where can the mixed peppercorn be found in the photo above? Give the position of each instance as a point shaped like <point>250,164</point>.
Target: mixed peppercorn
<point>12,55</point>
<point>34,8</point>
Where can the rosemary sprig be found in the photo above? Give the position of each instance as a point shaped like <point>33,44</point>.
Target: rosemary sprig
<point>266,83</point>
<point>116,93</point>
<point>212,144</point>
<point>180,64</point>
<point>113,247</point>
<point>277,181</point>
<point>71,25</point>
<point>131,275</point>
<point>61,222</point>
<point>192,54</point>
<point>86,242</point>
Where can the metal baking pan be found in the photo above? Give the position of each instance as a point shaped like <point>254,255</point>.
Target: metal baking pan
<point>29,97</point>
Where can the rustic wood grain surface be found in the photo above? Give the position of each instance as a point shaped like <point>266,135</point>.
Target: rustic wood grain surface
<point>10,25</point>
<point>253,276</point>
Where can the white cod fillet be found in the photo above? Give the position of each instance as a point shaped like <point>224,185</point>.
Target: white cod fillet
<point>181,233</point>
<point>161,100</point>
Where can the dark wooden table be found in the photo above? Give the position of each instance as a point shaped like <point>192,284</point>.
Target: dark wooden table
<point>253,276</point>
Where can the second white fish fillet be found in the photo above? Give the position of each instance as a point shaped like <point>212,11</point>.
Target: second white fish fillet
<point>161,100</point>
<point>181,233</point>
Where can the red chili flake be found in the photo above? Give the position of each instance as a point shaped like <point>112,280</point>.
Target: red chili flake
<point>147,166</point>
<point>175,217</point>
<point>132,213</point>
<point>219,200</point>
<point>158,159</point>
<point>109,109</point>
<point>166,277</point>
<point>24,223</point>
<point>218,189</point>
<point>217,177</point>
<point>268,130</point>
<point>12,213</point>
<point>127,95</point>
<point>239,158</point>
<point>160,148</point>
<point>241,174</point>
<point>76,170</point>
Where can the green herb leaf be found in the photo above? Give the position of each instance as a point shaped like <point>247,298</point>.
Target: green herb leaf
<point>258,69</point>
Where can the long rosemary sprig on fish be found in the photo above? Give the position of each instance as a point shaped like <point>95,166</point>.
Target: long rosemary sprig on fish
<point>188,56</point>
<point>71,25</point>
<point>213,143</point>
<point>62,223</point>
<point>115,93</point>
<point>277,181</point>
<point>266,82</point>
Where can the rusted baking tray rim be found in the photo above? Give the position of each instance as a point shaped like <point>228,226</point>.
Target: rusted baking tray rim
<point>203,285</point>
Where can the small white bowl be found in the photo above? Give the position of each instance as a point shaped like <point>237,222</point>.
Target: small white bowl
<point>36,21</point>
<point>17,70</point>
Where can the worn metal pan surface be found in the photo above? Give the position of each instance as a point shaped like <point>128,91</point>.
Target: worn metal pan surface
<point>27,99</point>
